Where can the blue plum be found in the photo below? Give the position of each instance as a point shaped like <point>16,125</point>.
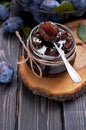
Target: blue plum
<point>6,72</point>
<point>49,4</point>
<point>4,12</point>
<point>13,24</point>
<point>44,11</point>
<point>37,1</point>
<point>27,1</point>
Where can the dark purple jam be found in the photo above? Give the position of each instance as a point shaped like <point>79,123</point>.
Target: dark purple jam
<point>63,40</point>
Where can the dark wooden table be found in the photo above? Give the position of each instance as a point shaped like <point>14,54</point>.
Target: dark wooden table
<point>21,110</point>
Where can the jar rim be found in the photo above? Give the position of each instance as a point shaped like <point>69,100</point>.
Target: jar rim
<point>46,57</point>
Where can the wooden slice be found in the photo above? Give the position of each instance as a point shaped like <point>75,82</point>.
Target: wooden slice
<point>62,87</point>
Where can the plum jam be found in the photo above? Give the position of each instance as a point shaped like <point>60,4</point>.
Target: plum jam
<point>44,58</point>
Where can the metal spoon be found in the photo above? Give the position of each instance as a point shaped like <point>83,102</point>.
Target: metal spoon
<point>71,71</point>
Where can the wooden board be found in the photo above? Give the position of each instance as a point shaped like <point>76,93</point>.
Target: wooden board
<point>62,87</point>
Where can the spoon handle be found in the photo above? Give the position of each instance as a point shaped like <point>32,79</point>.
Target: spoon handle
<point>71,71</point>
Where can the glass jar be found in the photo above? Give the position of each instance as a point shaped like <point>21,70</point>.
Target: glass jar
<point>45,65</point>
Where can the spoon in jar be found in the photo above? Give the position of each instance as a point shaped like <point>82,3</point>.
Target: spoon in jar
<point>71,71</point>
<point>48,31</point>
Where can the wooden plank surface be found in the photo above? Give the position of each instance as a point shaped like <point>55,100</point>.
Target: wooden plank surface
<point>9,45</point>
<point>8,91</point>
<point>21,110</point>
<point>74,115</point>
<point>37,113</point>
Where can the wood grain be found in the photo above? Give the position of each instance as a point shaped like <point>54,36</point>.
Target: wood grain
<point>74,114</point>
<point>9,45</point>
<point>8,91</point>
<point>43,113</point>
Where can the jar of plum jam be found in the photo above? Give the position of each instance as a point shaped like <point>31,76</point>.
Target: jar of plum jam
<point>44,59</point>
